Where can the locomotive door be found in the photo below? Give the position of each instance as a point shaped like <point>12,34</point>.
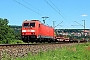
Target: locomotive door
<point>39,31</point>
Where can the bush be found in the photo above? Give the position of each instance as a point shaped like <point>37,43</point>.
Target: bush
<point>15,41</point>
<point>11,42</point>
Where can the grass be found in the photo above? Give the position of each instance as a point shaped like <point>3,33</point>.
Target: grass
<point>77,52</point>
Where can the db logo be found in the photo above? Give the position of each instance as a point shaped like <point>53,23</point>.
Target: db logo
<point>28,30</point>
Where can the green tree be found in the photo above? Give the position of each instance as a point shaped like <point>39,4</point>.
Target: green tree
<point>6,33</point>
<point>17,31</point>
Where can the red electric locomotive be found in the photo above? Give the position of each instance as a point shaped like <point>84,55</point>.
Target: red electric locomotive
<point>35,31</point>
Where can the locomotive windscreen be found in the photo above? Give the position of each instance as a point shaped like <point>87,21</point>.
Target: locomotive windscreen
<point>26,24</point>
<point>32,24</point>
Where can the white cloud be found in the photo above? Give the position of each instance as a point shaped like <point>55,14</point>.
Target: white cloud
<point>84,15</point>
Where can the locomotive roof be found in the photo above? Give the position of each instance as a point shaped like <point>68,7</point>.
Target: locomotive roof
<point>34,20</point>
<point>26,21</point>
<point>30,20</point>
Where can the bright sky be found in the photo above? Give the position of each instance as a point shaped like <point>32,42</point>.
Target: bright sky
<point>68,11</point>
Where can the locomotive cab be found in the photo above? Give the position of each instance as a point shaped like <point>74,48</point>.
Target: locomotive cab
<point>29,30</point>
<point>36,31</point>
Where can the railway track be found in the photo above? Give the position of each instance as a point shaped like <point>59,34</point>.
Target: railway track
<point>34,44</point>
<point>43,43</point>
<point>19,50</point>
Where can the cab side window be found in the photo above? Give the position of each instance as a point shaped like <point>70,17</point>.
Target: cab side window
<point>39,25</point>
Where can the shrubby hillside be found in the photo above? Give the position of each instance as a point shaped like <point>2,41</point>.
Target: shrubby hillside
<point>7,34</point>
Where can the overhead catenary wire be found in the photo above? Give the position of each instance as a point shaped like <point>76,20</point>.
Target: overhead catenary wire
<point>54,9</point>
<point>54,5</point>
<point>79,23</point>
<point>58,9</point>
<point>32,6</point>
<point>58,24</point>
<point>28,7</point>
<point>67,17</point>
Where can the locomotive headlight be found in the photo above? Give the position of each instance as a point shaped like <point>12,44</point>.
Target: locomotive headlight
<point>32,30</point>
<point>23,30</point>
